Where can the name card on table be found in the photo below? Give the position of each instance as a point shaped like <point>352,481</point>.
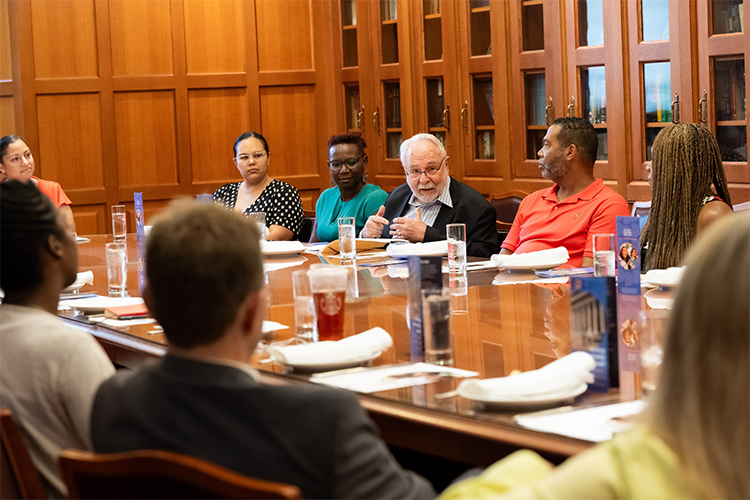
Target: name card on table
<point>629,294</point>
<point>425,273</point>
<point>593,327</point>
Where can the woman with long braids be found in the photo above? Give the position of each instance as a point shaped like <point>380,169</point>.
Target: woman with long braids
<point>689,192</point>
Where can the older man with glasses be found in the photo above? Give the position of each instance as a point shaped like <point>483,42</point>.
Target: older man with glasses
<point>420,209</point>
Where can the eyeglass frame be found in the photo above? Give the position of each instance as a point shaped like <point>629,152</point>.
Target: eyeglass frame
<point>257,156</point>
<point>344,164</point>
<point>417,174</point>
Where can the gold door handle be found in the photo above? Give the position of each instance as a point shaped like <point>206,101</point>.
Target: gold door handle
<point>465,117</point>
<point>447,118</point>
<point>572,107</point>
<point>361,119</point>
<point>703,109</point>
<point>549,113</point>
<point>676,108</point>
<point>376,120</point>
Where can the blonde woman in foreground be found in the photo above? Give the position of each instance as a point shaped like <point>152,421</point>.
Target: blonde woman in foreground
<point>693,440</point>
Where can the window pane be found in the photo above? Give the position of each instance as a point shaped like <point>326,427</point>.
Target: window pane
<point>657,89</point>
<point>590,23</point>
<point>593,94</point>
<point>729,88</point>
<point>727,16</point>
<point>655,20</point>
<point>351,96</point>
<point>535,99</point>
<point>532,19</point>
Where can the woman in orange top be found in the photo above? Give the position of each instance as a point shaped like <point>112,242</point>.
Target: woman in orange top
<point>17,163</point>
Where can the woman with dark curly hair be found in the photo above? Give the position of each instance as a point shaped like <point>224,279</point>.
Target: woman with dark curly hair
<point>351,195</point>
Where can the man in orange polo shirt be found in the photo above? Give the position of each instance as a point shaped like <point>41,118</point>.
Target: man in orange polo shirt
<point>578,205</point>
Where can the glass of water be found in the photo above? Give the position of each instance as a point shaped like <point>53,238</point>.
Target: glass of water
<point>304,308</point>
<point>456,236</point>
<point>119,223</point>
<point>436,313</point>
<point>117,269</point>
<point>347,244</point>
<point>260,218</point>
<point>604,254</point>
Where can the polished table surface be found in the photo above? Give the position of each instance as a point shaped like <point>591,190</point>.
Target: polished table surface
<point>496,329</point>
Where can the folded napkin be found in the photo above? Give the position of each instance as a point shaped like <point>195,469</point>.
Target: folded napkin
<point>556,379</point>
<point>670,276</point>
<point>84,278</point>
<point>400,249</point>
<point>351,348</point>
<point>558,256</point>
<point>281,247</point>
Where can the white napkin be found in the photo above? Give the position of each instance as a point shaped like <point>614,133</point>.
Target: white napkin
<point>350,348</point>
<point>670,276</point>
<point>556,379</point>
<point>425,249</point>
<point>86,277</point>
<point>550,256</point>
<point>281,247</point>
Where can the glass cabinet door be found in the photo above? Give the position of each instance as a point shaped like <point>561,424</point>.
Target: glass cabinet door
<point>536,117</point>
<point>532,19</point>
<point>479,27</point>
<point>392,109</point>
<point>590,23</point>
<point>654,20</point>
<point>727,17</point>
<point>433,30</point>
<point>730,100</point>
<point>349,32</point>
<point>484,118</point>
<point>353,108</point>
<point>436,115</point>
<point>594,105</point>
<point>389,31</point>
<point>657,100</point>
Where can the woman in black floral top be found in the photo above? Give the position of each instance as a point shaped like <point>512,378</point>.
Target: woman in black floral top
<point>260,193</point>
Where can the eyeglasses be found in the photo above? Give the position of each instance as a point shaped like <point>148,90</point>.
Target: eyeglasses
<point>335,165</point>
<point>257,156</point>
<point>416,174</point>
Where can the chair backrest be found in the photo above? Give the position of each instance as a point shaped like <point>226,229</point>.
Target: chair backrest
<point>18,476</point>
<point>307,226</point>
<point>641,208</point>
<point>506,206</point>
<point>160,474</point>
<point>742,206</point>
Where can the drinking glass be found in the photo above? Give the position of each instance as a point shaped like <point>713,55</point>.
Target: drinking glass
<point>260,218</point>
<point>119,223</point>
<point>117,269</point>
<point>436,314</point>
<point>304,308</point>
<point>604,254</point>
<point>328,285</point>
<point>347,248</point>
<point>652,336</point>
<point>456,236</point>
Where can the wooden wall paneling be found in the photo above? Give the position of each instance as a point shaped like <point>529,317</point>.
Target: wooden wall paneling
<point>141,37</point>
<point>326,87</point>
<point>182,105</point>
<point>70,140</point>
<point>217,118</point>
<point>217,36</point>
<point>7,116</point>
<point>64,34</point>
<point>288,115</point>
<point>146,138</point>
<point>6,72</point>
<point>22,55</point>
<point>284,37</point>
<point>90,219</point>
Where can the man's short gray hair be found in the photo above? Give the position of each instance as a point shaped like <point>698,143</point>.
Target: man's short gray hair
<point>405,151</point>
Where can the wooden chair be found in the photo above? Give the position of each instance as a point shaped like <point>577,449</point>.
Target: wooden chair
<point>506,206</point>
<point>160,474</point>
<point>18,476</point>
<point>307,226</point>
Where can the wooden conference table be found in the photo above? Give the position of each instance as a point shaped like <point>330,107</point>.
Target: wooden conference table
<point>496,329</point>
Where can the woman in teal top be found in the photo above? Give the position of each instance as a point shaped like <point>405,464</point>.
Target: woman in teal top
<point>351,195</point>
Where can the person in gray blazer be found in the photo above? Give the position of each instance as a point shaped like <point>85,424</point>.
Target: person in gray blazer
<point>205,287</point>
